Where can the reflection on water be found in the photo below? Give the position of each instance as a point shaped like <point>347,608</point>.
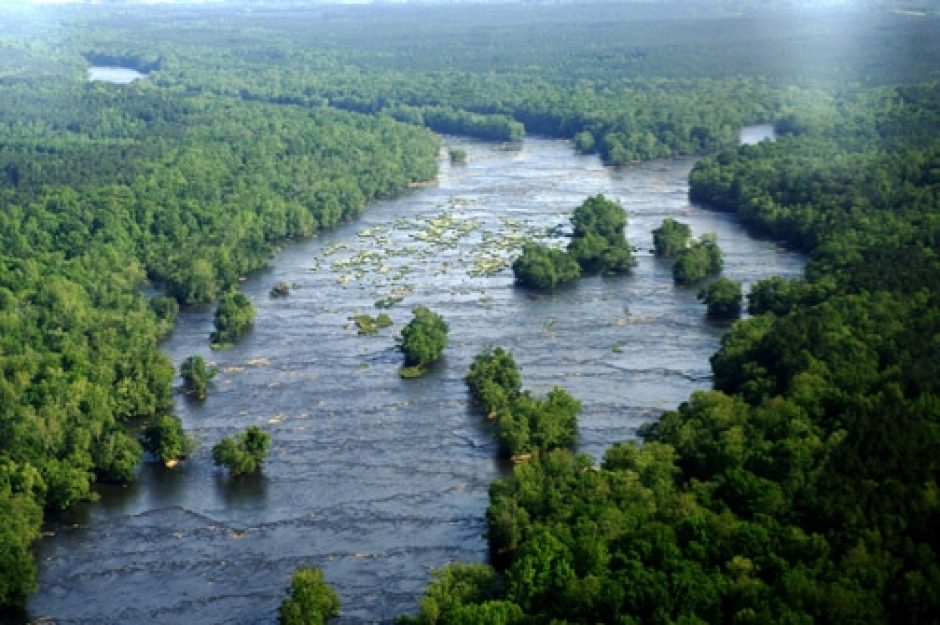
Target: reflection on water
<point>374,478</point>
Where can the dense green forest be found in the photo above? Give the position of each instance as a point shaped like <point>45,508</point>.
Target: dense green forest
<point>802,489</point>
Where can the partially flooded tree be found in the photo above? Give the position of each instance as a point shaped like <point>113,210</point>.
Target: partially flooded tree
<point>422,341</point>
<point>544,267</point>
<point>723,299</point>
<point>671,237</point>
<point>233,318</point>
<point>196,375</point>
<point>310,600</point>
<point>243,453</point>
<point>165,439</point>
<point>698,261</point>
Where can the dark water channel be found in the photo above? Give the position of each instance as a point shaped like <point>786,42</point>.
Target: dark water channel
<point>373,478</point>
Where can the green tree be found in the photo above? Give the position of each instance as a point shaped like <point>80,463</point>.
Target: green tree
<point>243,453</point>
<point>723,298</point>
<point>424,338</point>
<point>196,375</point>
<point>584,142</point>
<point>671,238</point>
<point>22,516</point>
<point>165,439</point>
<point>465,594</point>
<point>233,318</point>
<point>696,262</point>
<point>600,216</point>
<point>543,267</point>
<point>116,456</point>
<point>599,243</point>
<point>310,600</point>
<point>494,380</point>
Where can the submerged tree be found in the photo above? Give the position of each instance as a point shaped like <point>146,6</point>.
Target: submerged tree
<point>524,423</point>
<point>723,299</point>
<point>196,376</point>
<point>165,439</point>
<point>243,453</point>
<point>494,380</point>
<point>697,261</point>
<point>422,340</point>
<point>671,237</point>
<point>544,267</point>
<point>233,318</point>
<point>599,243</point>
<point>310,600</point>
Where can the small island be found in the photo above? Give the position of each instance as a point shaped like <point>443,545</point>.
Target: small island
<point>422,341</point>
<point>723,299</point>
<point>242,454</point>
<point>697,261</point>
<point>233,319</point>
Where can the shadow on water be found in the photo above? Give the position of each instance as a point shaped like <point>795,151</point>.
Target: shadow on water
<point>244,491</point>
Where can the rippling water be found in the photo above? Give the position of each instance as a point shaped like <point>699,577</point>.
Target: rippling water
<point>373,478</point>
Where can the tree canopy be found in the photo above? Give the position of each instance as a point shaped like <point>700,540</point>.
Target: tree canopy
<point>165,439</point>
<point>310,600</point>
<point>599,243</point>
<point>196,375</point>
<point>671,237</point>
<point>543,267</point>
<point>424,338</point>
<point>243,453</point>
<point>723,298</point>
<point>524,424</point>
<point>700,259</point>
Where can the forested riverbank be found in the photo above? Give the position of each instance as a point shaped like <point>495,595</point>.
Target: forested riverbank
<point>106,187</point>
<point>803,488</point>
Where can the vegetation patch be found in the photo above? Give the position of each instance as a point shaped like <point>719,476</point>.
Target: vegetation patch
<point>165,439</point>
<point>243,453</point>
<point>233,318</point>
<point>281,289</point>
<point>423,340</point>
<point>310,600</point>
<point>723,299</point>
<point>524,424</point>
<point>696,262</point>
<point>543,267</point>
<point>367,324</point>
<point>196,376</point>
<point>671,238</point>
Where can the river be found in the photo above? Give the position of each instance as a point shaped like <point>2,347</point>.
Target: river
<point>374,478</point>
<point>112,74</point>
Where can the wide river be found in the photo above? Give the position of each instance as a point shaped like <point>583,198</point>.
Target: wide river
<point>374,478</point>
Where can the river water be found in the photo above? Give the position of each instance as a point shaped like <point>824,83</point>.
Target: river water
<point>374,478</point>
<point>116,75</point>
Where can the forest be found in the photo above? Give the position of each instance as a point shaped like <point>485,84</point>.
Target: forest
<point>801,488</point>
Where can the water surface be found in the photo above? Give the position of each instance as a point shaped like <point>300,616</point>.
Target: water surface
<point>373,478</point>
<point>751,135</point>
<point>116,75</point>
